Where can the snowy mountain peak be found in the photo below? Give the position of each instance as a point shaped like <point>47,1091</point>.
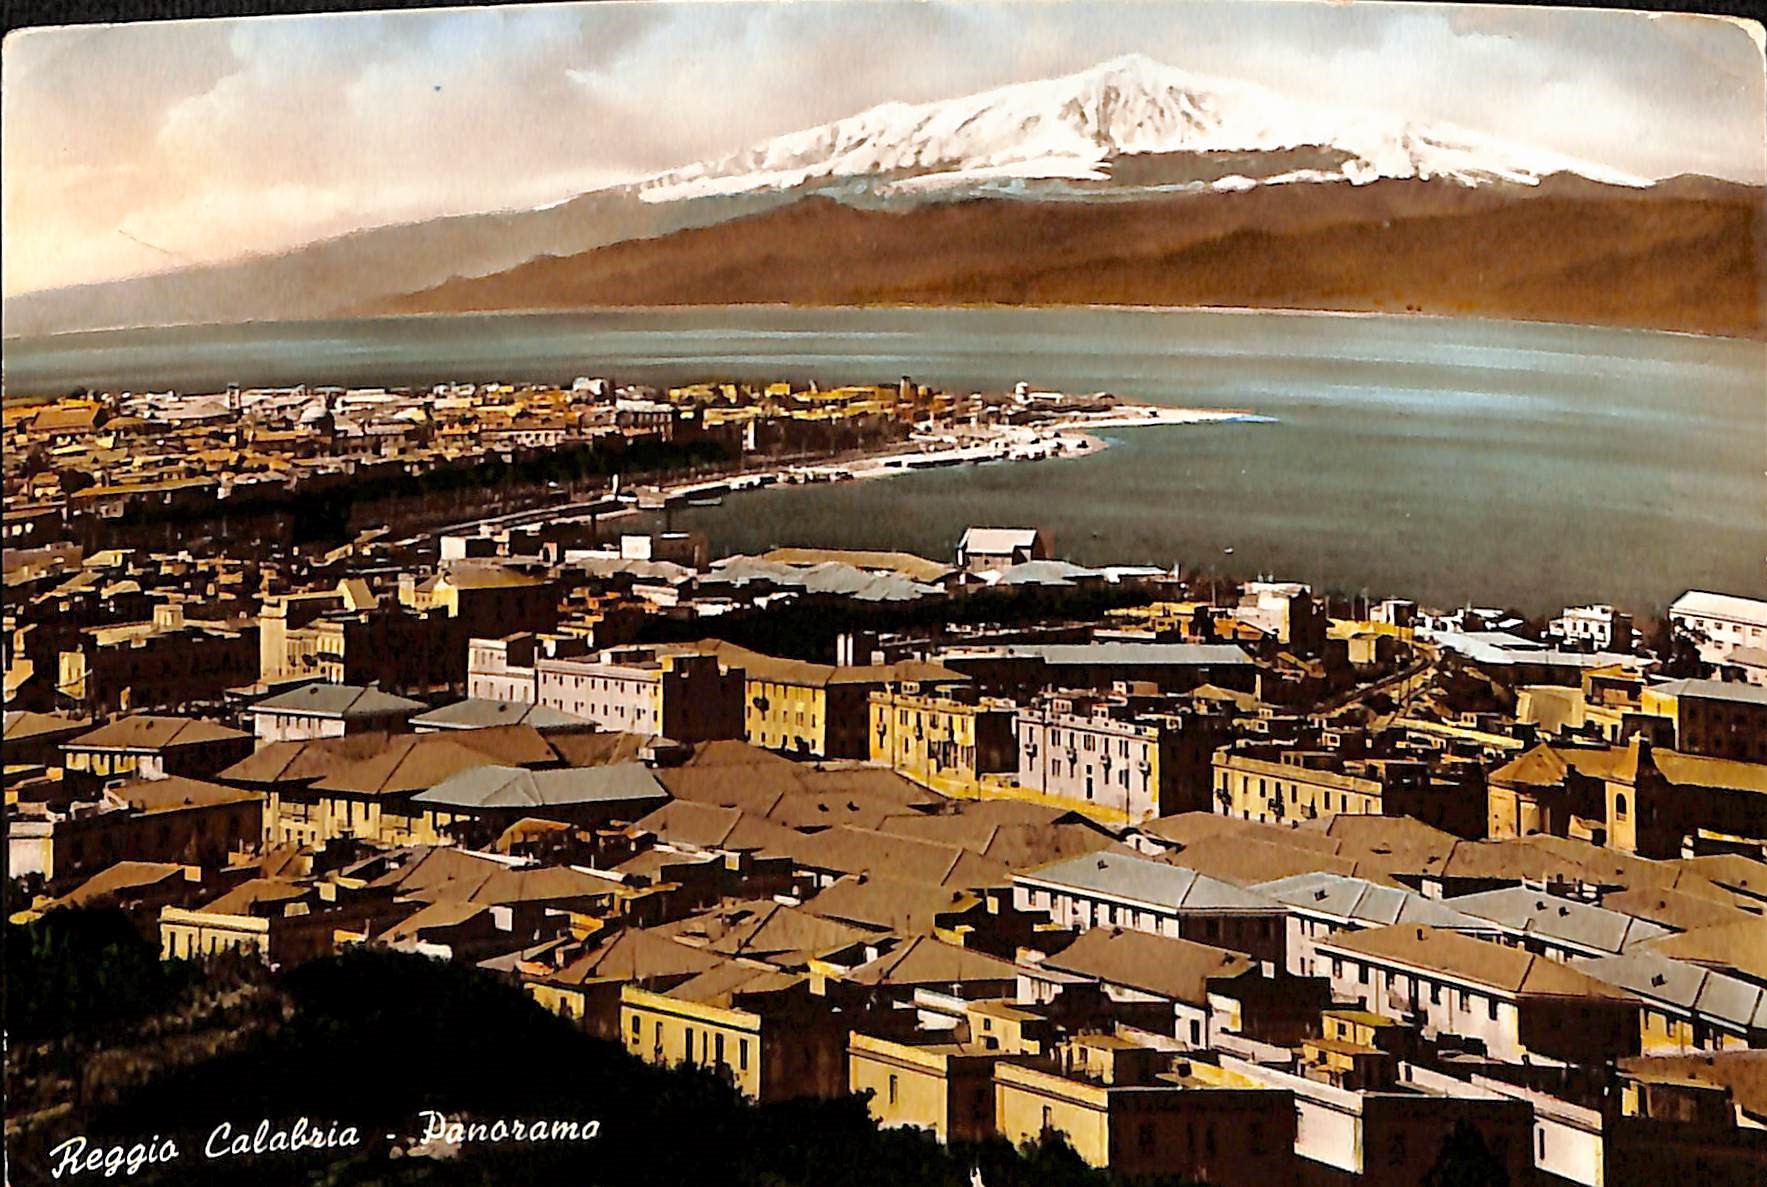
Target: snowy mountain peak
<point>1128,124</point>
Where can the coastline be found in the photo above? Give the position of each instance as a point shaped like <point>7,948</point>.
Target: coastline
<point>1066,437</point>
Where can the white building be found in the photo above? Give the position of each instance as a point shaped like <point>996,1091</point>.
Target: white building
<point>1601,628</point>
<point>1720,623</point>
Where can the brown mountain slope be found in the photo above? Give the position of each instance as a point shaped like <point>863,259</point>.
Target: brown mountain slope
<point>1683,257</point>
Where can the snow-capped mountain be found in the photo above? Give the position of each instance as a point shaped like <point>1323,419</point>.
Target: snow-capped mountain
<point>1130,123</point>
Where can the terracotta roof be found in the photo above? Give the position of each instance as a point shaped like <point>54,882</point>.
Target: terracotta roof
<point>432,917</point>
<point>442,872</point>
<point>855,850</point>
<point>731,753</point>
<point>304,761</point>
<point>447,874</point>
<point>418,762</point>
<point>483,576</point>
<point>120,877</point>
<point>1739,945</point>
<point>638,956</point>
<point>178,793</point>
<point>1692,770</point>
<point>1481,962</point>
<point>765,930</point>
<point>598,748</point>
<point>541,884</point>
<point>1246,861</point>
<point>1187,828</point>
<point>724,983</point>
<point>247,895</point>
<point>709,826</point>
<point>1539,767</point>
<point>926,961</point>
<point>1672,908</point>
<point>1730,870</point>
<point>1166,967</point>
<point>1016,839</point>
<point>146,731</point>
<point>22,724</point>
<point>895,904</point>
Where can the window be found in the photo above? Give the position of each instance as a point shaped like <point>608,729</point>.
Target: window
<point>892,1088</point>
<point>742,1055</point>
<point>1046,1116</point>
<point>1620,806</point>
<point>718,1051</point>
<point>637,1027</point>
<point>1493,1009</point>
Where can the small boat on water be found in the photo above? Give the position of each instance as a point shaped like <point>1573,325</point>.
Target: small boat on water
<point>711,502</point>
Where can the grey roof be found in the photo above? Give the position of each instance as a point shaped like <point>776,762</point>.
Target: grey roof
<point>601,566</point>
<point>1582,925</point>
<point>1175,654</point>
<point>1359,901</point>
<point>336,700</point>
<point>1501,649</point>
<point>514,787</point>
<point>828,577</point>
<point>1045,573</point>
<point>1714,690</point>
<point>1682,983</point>
<point>478,713</point>
<point>1139,880</point>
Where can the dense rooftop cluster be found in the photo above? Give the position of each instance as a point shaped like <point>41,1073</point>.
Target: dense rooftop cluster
<point>1237,883</point>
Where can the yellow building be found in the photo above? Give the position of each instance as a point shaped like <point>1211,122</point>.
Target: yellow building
<point>1268,789</point>
<point>279,921</point>
<point>817,710</point>
<point>311,818</point>
<point>756,1027</point>
<point>1135,1111</point>
<point>943,740</point>
<point>944,1087</point>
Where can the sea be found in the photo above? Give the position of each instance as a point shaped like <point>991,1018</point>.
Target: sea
<point>1523,465</point>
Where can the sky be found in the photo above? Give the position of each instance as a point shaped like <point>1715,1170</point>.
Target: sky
<point>130,149</point>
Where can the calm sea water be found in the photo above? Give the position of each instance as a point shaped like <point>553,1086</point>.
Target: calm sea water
<point>1527,465</point>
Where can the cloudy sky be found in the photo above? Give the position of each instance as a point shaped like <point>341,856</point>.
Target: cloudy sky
<point>132,149</point>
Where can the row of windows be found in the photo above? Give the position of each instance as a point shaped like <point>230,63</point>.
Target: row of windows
<point>1435,988</point>
<point>712,1056</point>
